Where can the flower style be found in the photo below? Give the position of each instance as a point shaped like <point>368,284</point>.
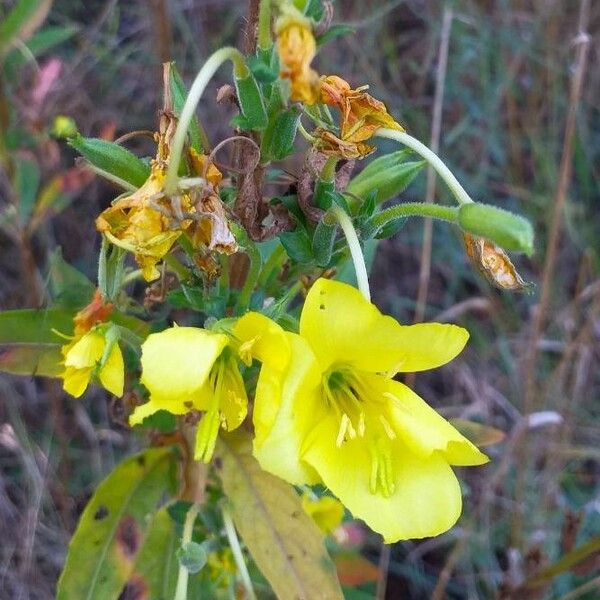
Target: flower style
<point>297,47</point>
<point>93,351</point>
<point>328,411</point>
<point>186,369</point>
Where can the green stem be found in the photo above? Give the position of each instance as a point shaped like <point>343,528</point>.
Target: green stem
<point>174,265</point>
<point>264,25</point>
<point>205,74</point>
<point>102,275</point>
<point>251,278</point>
<point>238,556</point>
<point>186,538</point>
<point>273,263</point>
<point>416,209</point>
<point>356,252</point>
<point>433,159</point>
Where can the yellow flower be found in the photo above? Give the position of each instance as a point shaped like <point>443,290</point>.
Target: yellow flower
<point>187,368</point>
<point>297,47</point>
<point>326,512</point>
<point>93,353</point>
<point>338,418</point>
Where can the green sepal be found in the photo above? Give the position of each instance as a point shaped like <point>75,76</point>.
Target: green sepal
<point>507,230</point>
<point>112,158</point>
<point>278,141</point>
<point>251,103</point>
<point>322,194</point>
<point>389,175</point>
<point>297,244</point>
<point>262,70</point>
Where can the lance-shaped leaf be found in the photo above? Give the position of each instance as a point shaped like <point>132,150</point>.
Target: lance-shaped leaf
<point>113,528</point>
<point>284,542</point>
<point>389,175</point>
<point>110,158</point>
<point>251,102</point>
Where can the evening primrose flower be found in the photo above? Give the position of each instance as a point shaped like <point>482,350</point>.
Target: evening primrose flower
<point>326,512</point>
<point>334,415</point>
<point>93,351</point>
<point>297,47</point>
<point>186,369</point>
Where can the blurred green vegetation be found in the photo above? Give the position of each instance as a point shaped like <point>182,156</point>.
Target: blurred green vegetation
<point>505,104</point>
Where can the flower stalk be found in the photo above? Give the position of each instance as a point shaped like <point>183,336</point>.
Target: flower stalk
<point>186,538</point>
<point>433,159</point>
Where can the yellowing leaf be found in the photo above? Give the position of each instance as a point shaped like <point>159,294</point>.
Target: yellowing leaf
<point>285,543</point>
<point>113,528</point>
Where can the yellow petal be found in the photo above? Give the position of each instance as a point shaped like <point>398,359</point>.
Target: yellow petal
<point>424,431</point>
<point>283,410</point>
<point>149,408</point>
<point>87,351</point>
<point>326,512</point>
<point>177,361</point>
<point>262,339</point>
<point>75,381</point>
<point>426,500</point>
<point>342,327</point>
<point>112,374</point>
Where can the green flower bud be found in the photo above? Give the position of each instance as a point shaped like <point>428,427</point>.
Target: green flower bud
<point>63,127</point>
<point>507,230</point>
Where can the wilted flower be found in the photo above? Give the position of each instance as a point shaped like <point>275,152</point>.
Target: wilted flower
<point>186,369</point>
<point>329,144</point>
<point>334,415</point>
<point>494,264</point>
<point>360,114</point>
<point>297,47</point>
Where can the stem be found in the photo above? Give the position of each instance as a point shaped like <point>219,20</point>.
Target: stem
<point>251,278</point>
<point>264,25</point>
<point>356,252</point>
<point>186,538</point>
<point>236,550</point>
<point>328,171</point>
<point>174,265</point>
<point>273,263</point>
<point>102,276</point>
<point>417,209</point>
<point>202,78</point>
<point>433,159</point>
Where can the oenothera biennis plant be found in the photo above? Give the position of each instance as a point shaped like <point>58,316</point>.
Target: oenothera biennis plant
<point>269,389</point>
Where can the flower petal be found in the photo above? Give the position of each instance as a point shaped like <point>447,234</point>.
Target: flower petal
<point>426,500</point>
<point>112,374</point>
<point>87,351</point>
<point>342,327</point>
<point>424,431</point>
<point>176,362</point>
<point>75,381</point>
<point>283,410</point>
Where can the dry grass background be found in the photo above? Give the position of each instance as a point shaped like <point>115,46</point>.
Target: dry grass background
<point>504,101</point>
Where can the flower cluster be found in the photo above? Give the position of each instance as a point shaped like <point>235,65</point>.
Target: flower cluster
<point>326,407</point>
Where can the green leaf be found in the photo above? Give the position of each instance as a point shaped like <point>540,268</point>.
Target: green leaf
<point>283,540</point>
<point>114,526</point>
<point>322,243</point>
<point>39,43</point>
<point>263,72</point>
<point>156,565</point>
<point>22,21</point>
<point>112,158</point>
<point>26,184</point>
<point>333,32</point>
<point>278,141</point>
<point>390,228</point>
<point>507,230</point>
<point>389,175</point>
<point>30,326</point>
<point>31,359</point>
<point>179,93</point>
<point>69,287</point>
<point>251,102</point>
<point>312,8</point>
<point>297,244</point>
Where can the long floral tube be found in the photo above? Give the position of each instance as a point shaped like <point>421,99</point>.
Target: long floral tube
<point>433,159</point>
<point>202,78</point>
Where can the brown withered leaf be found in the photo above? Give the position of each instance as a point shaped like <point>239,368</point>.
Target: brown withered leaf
<point>494,264</point>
